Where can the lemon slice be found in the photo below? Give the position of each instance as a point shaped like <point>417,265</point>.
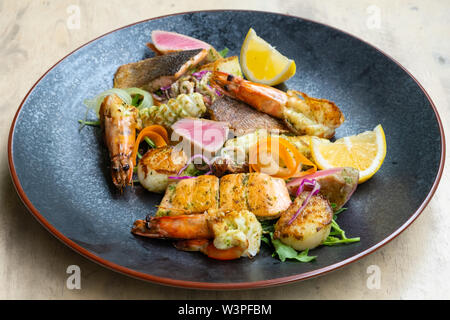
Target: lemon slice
<point>262,63</point>
<point>365,152</point>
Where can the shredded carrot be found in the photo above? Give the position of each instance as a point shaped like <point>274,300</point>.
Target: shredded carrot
<point>155,132</point>
<point>284,153</point>
<point>159,130</point>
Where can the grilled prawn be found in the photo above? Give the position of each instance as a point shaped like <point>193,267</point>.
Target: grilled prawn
<point>118,121</point>
<point>303,115</point>
<point>219,234</point>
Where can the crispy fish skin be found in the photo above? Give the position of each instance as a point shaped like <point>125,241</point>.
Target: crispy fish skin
<point>243,118</point>
<point>188,196</point>
<point>265,196</point>
<point>160,71</point>
<point>310,228</point>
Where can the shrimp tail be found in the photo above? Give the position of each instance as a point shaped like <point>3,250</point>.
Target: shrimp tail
<point>174,227</point>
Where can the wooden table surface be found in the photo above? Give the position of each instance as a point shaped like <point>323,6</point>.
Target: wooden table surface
<point>34,34</point>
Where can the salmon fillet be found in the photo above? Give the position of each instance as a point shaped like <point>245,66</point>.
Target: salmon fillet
<point>188,196</point>
<point>265,196</point>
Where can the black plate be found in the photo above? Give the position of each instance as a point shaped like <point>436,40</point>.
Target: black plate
<point>61,173</point>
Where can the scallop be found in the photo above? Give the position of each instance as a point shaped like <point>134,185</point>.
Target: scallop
<point>311,227</point>
<point>157,165</point>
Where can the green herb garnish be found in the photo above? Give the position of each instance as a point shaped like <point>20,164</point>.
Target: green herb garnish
<point>191,171</point>
<point>90,123</point>
<point>224,52</point>
<point>150,142</point>
<point>268,226</point>
<point>337,235</point>
<point>136,100</point>
<point>284,251</point>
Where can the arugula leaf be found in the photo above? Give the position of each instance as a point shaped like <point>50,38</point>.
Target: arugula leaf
<point>224,52</point>
<point>303,256</point>
<point>332,241</point>
<point>339,211</point>
<point>266,240</point>
<point>268,225</point>
<point>284,251</point>
<point>337,235</point>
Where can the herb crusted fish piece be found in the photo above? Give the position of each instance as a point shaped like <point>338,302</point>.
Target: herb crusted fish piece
<point>267,197</point>
<point>160,71</point>
<point>188,196</point>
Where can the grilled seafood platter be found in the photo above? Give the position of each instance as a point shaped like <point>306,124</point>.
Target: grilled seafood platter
<point>237,162</point>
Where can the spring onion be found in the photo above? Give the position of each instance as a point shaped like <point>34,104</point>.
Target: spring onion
<point>150,142</point>
<point>147,100</point>
<point>89,123</point>
<point>126,95</point>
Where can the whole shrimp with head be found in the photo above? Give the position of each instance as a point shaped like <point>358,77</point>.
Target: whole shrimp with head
<point>118,121</point>
<point>302,114</point>
<point>220,234</point>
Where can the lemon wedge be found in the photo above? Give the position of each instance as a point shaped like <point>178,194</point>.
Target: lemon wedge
<point>365,152</point>
<point>262,63</point>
